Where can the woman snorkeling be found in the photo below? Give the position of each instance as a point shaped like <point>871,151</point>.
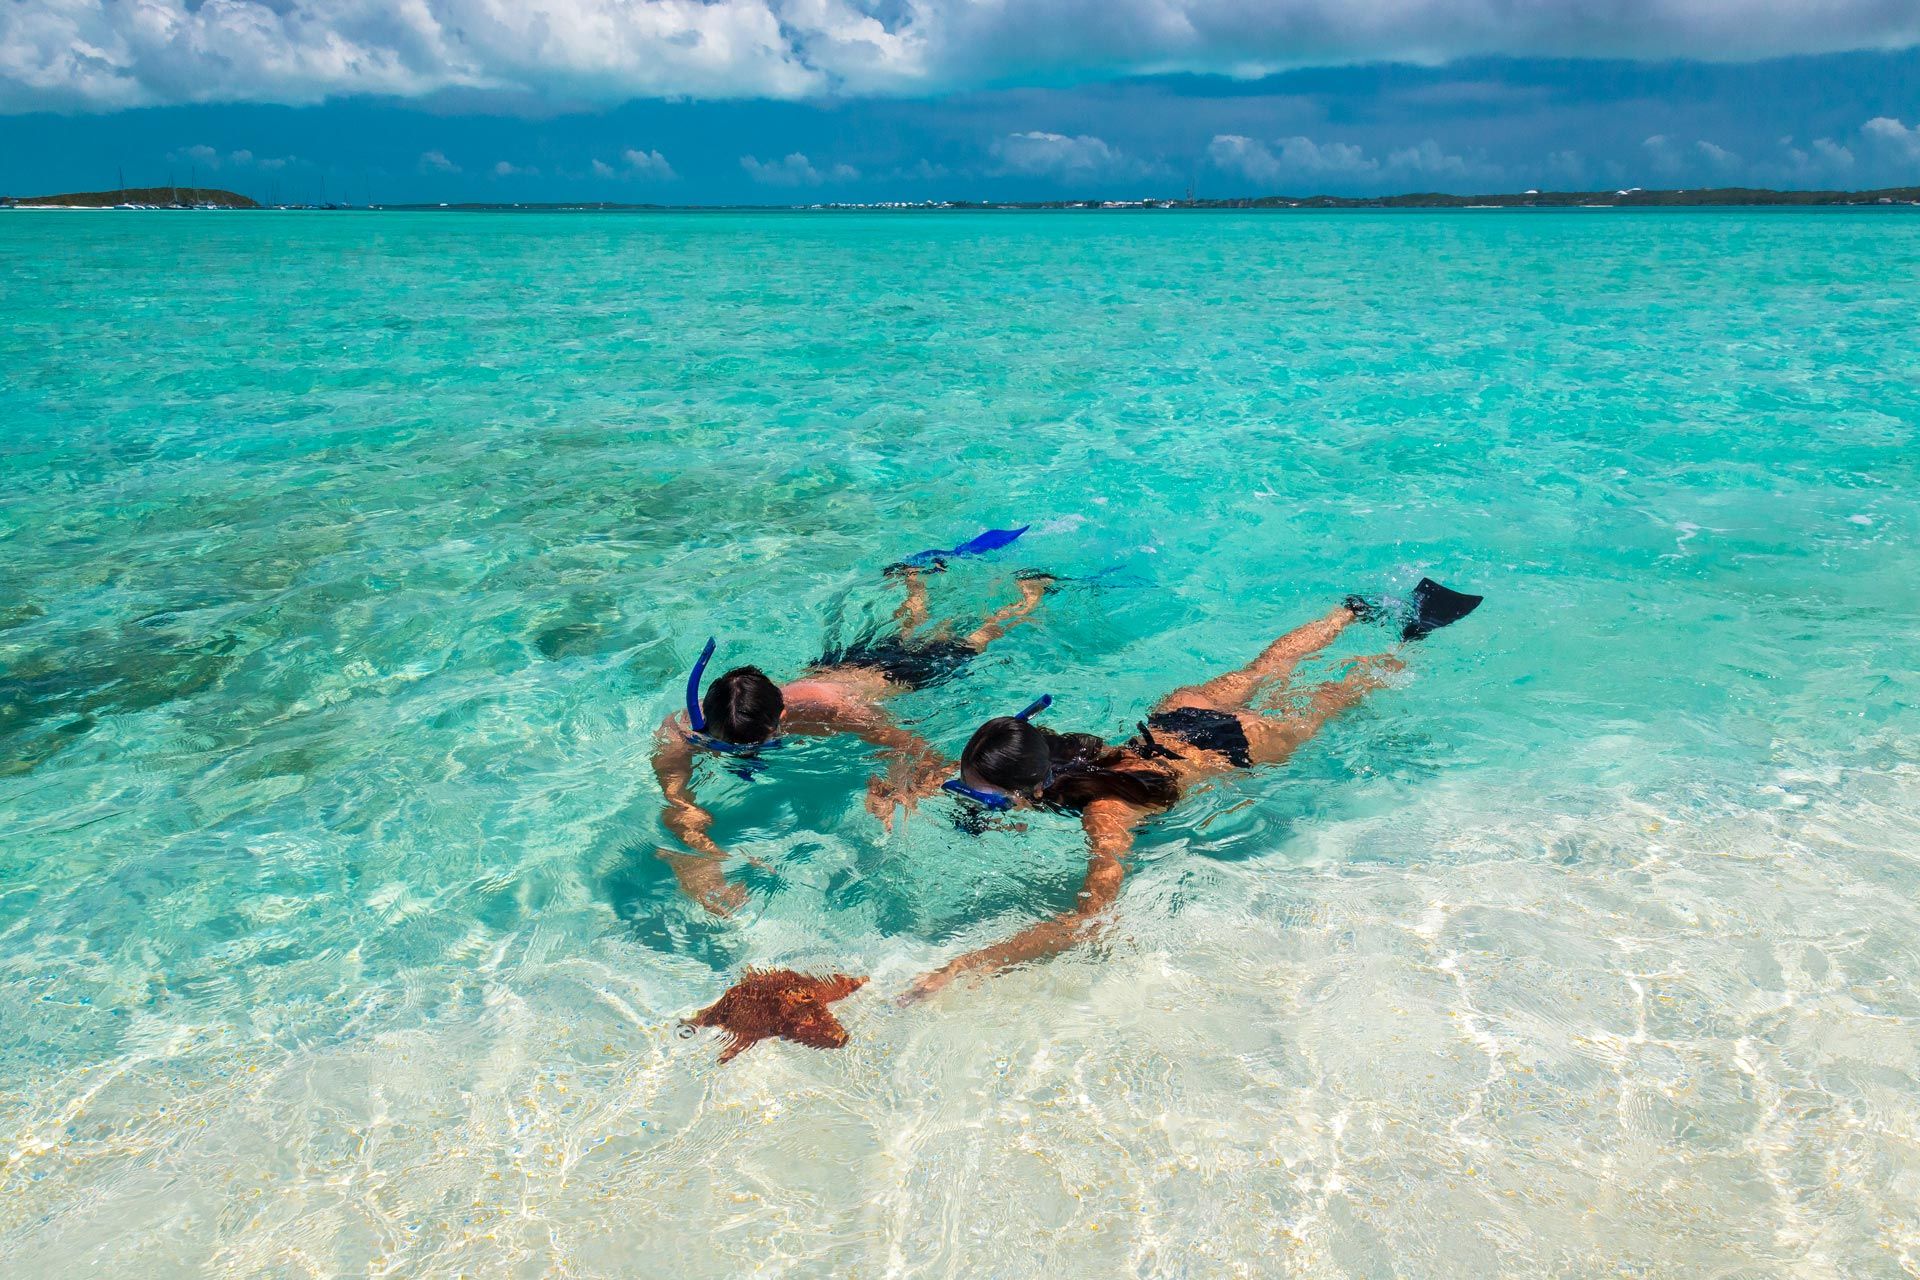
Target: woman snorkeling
<point>744,713</point>
<point>1193,734</point>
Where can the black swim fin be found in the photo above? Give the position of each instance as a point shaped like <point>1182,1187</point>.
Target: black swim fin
<point>1434,607</point>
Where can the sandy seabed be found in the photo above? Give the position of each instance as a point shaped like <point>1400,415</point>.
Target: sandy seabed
<point>1638,1043</point>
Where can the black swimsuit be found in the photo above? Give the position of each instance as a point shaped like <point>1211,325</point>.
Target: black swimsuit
<point>1207,729</point>
<point>914,665</point>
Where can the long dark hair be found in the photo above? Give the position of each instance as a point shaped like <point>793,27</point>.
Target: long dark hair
<point>1072,770</point>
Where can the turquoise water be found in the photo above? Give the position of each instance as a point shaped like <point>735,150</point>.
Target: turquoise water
<point>347,563</point>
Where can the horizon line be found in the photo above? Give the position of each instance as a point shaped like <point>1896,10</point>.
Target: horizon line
<point>1625,197</point>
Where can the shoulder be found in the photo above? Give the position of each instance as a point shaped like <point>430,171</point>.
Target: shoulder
<point>671,737</point>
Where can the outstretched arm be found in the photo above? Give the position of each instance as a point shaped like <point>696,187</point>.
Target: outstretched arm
<point>1109,825</point>
<point>699,871</point>
<point>913,767</point>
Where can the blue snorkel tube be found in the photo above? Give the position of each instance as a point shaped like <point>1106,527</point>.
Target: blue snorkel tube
<point>998,801</point>
<point>698,719</point>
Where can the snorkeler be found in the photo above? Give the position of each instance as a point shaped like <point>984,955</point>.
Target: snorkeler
<point>1194,734</point>
<point>744,713</point>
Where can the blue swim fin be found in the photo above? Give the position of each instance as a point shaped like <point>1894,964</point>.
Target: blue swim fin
<point>980,544</point>
<point>991,540</point>
<point>1434,607</point>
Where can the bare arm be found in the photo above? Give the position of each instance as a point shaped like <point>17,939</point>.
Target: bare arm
<point>698,872</point>
<point>1109,825</point>
<point>913,767</point>
<point>903,747</point>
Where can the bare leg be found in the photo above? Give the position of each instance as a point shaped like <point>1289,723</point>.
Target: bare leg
<point>1271,739</point>
<point>1032,591</point>
<point>912,613</point>
<point>1232,691</point>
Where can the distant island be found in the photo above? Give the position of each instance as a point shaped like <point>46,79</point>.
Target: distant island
<point>138,198</point>
<point>1628,198</point>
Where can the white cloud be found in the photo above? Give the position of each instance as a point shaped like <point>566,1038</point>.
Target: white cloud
<point>508,169</point>
<point>639,164</point>
<point>105,54</point>
<point>437,162</point>
<point>1429,161</point>
<point>648,164</point>
<point>244,159</point>
<point>1885,131</point>
<point>1296,158</point>
<point>921,170</point>
<point>1833,153</point>
<point>1663,154</point>
<point>795,170</point>
<point>1718,157</point>
<point>1055,155</point>
<point>1826,161</point>
<point>208,159</point>
<point>1300,159</point>
<point>1569,167</point>
<point>1821,161</point>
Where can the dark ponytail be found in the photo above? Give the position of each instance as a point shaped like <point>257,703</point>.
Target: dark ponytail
<point>1072,769</point>
<point>1086,769</point>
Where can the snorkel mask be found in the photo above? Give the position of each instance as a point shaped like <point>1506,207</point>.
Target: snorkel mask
<point>697,718</point>
<point>998,801</point>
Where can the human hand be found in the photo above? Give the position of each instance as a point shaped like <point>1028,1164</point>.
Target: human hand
<point>926,985</point>
<point>882,799</point>
<point>724,898</point>
<point>701,880</point>
<point>887,792</point>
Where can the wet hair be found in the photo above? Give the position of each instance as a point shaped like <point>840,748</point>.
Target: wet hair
<point>743,706</point>
<point>1071,769</point>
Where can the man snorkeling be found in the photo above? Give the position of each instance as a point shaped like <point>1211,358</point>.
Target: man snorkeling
<point>743,714</point>
<point>1193,734</point>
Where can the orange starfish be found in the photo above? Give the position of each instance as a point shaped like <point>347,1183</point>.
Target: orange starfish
<point>779,1002</point>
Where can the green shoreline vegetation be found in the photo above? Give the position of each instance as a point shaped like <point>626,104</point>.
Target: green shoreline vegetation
<point>1629,198</point>
<point>137,198</point>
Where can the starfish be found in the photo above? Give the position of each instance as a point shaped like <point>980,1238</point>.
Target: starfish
<point>779,1002</point>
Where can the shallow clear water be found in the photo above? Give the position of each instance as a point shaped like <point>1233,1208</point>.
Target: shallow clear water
<point>347,562</point>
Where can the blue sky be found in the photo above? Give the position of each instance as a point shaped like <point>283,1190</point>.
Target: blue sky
<point>778,101</point>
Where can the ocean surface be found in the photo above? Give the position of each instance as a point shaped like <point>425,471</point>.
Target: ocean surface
<point>349,561</point>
